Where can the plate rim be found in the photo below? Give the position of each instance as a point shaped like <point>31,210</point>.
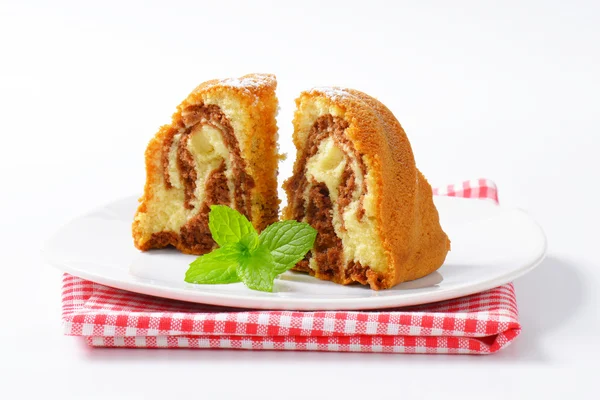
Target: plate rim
<point>196,296</point>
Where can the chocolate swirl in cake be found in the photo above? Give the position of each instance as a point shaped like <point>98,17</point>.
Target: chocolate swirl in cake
<point>242,182</point>
<point>218,188</point>
<point>311,201</point>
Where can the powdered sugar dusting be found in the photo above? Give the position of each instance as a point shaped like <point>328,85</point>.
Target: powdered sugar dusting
<point>247,82</point>
<point>333,93</point>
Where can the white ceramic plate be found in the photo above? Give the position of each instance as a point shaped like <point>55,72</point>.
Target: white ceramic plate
<point>491,246</point>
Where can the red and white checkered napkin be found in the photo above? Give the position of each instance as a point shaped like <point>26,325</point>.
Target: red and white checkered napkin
<point>478,324</point>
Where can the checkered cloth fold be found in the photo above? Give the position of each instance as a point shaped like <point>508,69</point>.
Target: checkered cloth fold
<point>478,324</point>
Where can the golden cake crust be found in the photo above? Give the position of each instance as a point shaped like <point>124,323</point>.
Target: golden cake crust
<point>254,94</point>
<point>406,218</point>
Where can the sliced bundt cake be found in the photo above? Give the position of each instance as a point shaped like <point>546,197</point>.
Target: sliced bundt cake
<point>356,182</point>
<point>220,148</point>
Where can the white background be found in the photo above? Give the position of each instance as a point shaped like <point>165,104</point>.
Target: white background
<point>503,90</point>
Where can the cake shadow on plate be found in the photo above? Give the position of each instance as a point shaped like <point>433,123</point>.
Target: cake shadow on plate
<point>428,281</point>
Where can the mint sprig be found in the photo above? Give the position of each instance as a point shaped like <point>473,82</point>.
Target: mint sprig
<point>227,225</point>
<point>218,266</point>
<point>244,255</point>
<point>256,271</point>
<point>288,242</point>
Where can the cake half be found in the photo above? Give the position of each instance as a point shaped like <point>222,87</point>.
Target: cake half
<point>220,148</point>
<point>356,182</point>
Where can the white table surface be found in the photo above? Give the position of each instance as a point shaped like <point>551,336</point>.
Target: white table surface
<point>507,91</point>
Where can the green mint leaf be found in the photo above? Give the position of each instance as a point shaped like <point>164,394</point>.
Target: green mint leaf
<point>218,266</point>
<point>250,241</point>
<point>288,242</point>
<point>227,225</point>
<point>244,255</point>
<point>256,269</point>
